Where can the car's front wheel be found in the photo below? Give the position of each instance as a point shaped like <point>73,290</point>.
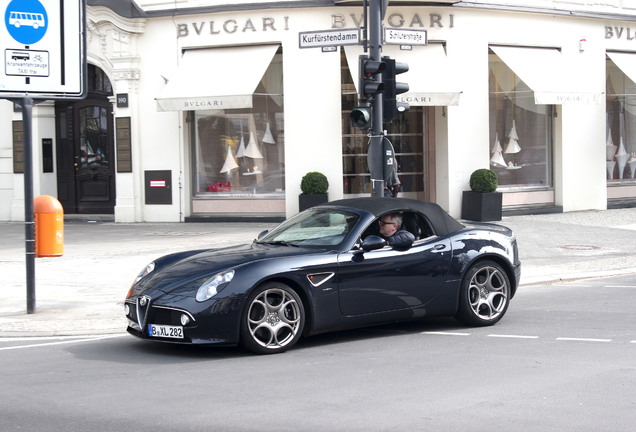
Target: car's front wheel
<point>273,320</point>
<point>484,296</point>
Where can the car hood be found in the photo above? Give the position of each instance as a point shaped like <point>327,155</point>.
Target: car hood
<point>205,263</point>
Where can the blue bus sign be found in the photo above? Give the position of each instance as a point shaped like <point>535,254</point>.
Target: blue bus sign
<point>44,48</point>
<point>26,21</point>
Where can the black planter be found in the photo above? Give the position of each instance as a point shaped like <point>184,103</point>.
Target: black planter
<point>481,206</point>
<point>307,201</point>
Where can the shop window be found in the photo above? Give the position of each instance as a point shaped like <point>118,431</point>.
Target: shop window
<point>620,145</point>
<point>240,152</point>
<point>520,131</point>
<point>406,133</point>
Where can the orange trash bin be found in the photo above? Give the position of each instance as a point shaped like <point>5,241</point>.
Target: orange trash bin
<point>49,226</point>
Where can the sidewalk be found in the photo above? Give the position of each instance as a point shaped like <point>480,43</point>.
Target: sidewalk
<point>82,292</point>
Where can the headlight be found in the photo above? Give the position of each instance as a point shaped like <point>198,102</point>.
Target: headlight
<point>212,286</point>
<point>149,268</point>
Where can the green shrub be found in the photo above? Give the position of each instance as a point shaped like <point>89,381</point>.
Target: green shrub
<point>483,180</point>
<point>314,183</point>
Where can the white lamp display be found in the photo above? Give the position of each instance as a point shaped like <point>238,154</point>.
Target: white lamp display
<point>610,148</point>
<point>230,162</point>
<point>252,150</point>
<point>632,164</point>
<point>621,158</point>
<point>513,140</point>
<point>513,144</point>
<point>241,149</point>
<point>268,137</point>
<point>497,158</point>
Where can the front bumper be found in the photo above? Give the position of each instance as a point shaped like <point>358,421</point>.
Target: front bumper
<point>214,322</point>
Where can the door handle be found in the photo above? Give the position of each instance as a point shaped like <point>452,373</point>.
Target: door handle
<point>439,248</point>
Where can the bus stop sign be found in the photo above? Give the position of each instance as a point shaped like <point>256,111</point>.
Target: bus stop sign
<point>43,49</point>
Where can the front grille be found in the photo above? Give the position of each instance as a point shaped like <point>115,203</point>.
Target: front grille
<point>143,311</point>
<point>143,306</point>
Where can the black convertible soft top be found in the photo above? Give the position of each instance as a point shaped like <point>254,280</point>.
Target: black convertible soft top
<point>442,222</point>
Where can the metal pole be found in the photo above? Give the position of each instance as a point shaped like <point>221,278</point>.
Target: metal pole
<point>375,146</point>
<point>29,224</point>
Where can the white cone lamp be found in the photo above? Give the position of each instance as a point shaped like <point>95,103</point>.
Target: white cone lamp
<point>513,141</point>
<point>252,150</point>
<point>268,137</point>
<point>621,159</point>
<point>230,162</point>
<point>241,149</point>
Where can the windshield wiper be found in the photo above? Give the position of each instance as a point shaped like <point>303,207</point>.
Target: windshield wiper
<point>279,243</point>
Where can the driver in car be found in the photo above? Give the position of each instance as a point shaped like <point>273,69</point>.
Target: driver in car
<point>391,230</point>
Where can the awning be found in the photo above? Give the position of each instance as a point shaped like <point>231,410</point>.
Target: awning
<point>547,74</point>
<point>625,62</point>
<point>431,80</point>
<point>216,78</point>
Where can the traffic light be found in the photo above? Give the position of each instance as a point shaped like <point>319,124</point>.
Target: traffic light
<point>361,117</point>
<point>391,107</point>
<point>368,85</point>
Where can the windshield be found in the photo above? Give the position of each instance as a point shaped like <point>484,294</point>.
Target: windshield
<point>313,228</point>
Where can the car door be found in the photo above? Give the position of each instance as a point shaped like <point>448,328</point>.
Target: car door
<point>390,279</point>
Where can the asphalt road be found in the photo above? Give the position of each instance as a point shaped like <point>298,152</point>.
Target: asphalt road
<point>561,359</point>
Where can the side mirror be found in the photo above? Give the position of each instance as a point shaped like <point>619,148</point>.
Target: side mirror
<point>262,234</point>
<point>373,242</point>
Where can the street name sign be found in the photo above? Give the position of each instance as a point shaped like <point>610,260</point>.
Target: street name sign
<point>329,38</point>
<point>397,36</point>
<point>43,49</point>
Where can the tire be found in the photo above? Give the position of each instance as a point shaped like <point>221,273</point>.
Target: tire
<point>273,319</point>
<point>484,294</point>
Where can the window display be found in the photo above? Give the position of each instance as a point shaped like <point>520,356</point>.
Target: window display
<point>520,131</point>
<point>620,145</point>
<point>240,152</point>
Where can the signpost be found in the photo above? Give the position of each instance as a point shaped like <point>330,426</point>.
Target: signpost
<point>44,46</point>
<point>328,39</point>
<point>398,36</point>
<point>44,49</point>
<point>370,115</point>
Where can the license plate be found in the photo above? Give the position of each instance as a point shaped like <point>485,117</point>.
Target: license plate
<point>165,331</point>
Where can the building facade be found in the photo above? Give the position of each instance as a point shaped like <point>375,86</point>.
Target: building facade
<point>197,110</point>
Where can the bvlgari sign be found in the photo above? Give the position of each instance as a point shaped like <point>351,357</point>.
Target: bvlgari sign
<point>341,22</point>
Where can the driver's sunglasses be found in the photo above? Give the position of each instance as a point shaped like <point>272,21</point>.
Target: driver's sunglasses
<point>386,223</point>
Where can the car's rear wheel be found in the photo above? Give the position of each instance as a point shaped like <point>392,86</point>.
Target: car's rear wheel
<point>273,320</point>
<point>485,293</point>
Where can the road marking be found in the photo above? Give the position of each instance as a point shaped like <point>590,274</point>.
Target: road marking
<point>620,286</point>
<point>582,339</point>
<point>39,338</point>
<point>445,333</point>
<point>513,336</point>
<point>62,342</point>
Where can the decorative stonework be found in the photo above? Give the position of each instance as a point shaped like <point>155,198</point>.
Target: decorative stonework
<point>126,75</point>
<point>112,40</point>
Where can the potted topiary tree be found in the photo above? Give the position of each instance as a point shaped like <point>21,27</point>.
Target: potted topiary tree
<point>483,202</point>
<point>314,187</point>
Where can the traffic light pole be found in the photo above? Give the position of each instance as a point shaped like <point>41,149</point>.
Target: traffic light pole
<point>375,145</point>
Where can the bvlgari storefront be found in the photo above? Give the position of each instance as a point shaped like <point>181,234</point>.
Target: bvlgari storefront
<point>232,98</point>
<point>225,111</point>
<point>246,149</point>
